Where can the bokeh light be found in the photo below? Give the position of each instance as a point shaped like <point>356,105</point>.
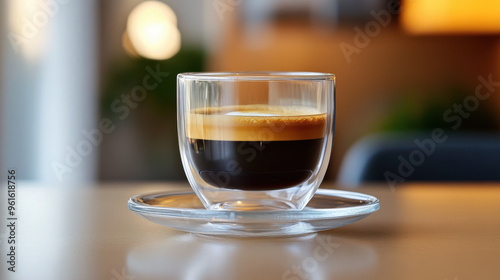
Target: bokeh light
<point>127,45</point>
<point>451,17</point>
<point>152,31</point>
<point>27,28</point>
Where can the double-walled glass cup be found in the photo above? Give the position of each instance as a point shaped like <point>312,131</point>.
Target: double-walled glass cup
<point>255,140</point>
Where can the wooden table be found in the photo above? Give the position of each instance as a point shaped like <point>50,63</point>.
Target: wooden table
<point>422,231</point>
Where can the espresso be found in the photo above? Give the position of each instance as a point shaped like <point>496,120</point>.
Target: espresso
<point>255,147</point>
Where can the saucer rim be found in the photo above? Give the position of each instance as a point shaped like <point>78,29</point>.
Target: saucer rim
<point>307,214</point>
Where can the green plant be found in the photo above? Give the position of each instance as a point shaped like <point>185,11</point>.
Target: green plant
<point>129,73</point>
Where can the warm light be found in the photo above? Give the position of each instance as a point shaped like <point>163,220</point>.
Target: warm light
<point>152,31</point>
<point>27,24</point>
<point>451,16</point>
<point>152,11</point>
<point>127,45</point>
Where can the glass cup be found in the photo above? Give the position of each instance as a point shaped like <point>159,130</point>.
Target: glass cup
<point>255,141</point>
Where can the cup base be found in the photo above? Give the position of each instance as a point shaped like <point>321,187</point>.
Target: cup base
<point>254,205</point>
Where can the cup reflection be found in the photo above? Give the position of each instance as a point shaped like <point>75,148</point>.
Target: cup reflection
<point>189,256</point>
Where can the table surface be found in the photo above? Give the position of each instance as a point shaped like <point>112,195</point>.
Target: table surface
<point>422,231</point>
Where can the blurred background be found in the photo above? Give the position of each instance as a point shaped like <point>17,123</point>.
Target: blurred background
<point>88,87</point>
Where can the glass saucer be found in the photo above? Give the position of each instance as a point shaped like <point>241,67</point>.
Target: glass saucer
<point>184,211</point>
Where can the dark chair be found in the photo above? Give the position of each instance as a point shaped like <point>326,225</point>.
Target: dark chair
<point>397,158</point>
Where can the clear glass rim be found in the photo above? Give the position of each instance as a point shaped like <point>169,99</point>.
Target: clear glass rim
<point>255,76</point>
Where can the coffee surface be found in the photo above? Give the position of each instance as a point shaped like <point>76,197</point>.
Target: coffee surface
<point>255,123</point>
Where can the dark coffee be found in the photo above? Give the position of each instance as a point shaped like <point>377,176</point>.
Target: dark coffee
<point>252,165</point>
<point>249,148</point>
